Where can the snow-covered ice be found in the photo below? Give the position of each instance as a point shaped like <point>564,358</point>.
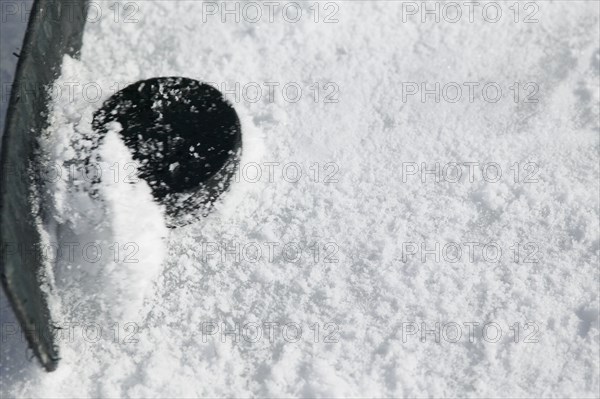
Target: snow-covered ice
<point>354,277</point>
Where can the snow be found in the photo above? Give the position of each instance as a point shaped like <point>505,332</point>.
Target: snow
<point>345,269</point>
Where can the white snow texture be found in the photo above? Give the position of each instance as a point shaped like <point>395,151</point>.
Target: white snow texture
<point>355,278</point>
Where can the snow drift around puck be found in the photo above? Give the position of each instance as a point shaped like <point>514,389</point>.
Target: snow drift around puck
<point>185,139</point>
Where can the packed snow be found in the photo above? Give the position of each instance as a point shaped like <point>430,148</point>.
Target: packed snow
<point>416,211</point>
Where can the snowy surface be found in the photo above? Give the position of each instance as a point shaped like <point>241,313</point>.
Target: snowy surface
<point>361,285</point>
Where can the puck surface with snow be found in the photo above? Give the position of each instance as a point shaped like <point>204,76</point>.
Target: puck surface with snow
<point>185,138</point>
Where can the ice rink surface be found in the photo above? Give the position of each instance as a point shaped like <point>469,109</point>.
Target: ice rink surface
<point>424,221</point>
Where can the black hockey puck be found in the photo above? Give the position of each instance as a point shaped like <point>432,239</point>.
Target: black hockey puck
<point>185,137</point>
